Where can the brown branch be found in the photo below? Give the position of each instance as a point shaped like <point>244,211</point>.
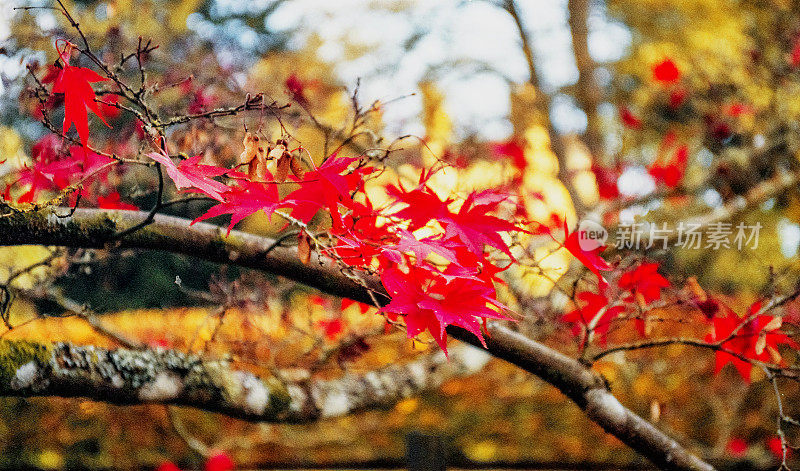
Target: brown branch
<point>718,346</point>
<point>95,227</point>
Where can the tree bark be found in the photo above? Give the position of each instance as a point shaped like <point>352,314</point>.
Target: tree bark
<point>96,228</point>
<point>162,376</point>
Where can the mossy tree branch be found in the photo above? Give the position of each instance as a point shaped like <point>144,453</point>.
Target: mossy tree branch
<point>170,377</point>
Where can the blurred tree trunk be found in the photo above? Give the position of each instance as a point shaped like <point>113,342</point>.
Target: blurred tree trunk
<point>588,93</point>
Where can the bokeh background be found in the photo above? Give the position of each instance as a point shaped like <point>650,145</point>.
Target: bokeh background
<point>453,73</point>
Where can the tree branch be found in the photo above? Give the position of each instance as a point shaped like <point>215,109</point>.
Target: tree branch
<point>96,227</point>
<point>170,377</point>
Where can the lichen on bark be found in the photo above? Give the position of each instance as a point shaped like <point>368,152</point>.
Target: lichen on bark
<point>14,354</point>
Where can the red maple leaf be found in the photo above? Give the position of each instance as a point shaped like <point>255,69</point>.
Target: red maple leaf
<point>666,71</point>
<point>737,447</point>
<point>423,205</point>
<point>362,234</point>
<point>757,338</point>
<point>775,446</point>
<point>331,328</point>
<point>245,199</point>
<point>363,308</point>
<point>46,176</point>
<point>475,227</point>
<point>591,259</point>
<point>512,149</point>
<point>190,174</point>
<point>474,266</point>
<point>421,248</point>
<point>327,186</point>
<point>91,164</point>
<point>75,84</point>
<point>595,315</point>
<point>55,169</point>
<point>220,462</point>
<point>296,89</point>
<point>644,280</point>
<point>168,466</point>
<point>430,302</point>
<point>113,201</point>
<point>108,108</point>
<point>606,179</point>
<point>48,148</point>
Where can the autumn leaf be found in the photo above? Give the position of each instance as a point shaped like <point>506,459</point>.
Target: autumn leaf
<point>75,84</point>
<point>756,337</point>
<point>629,119</point>
<point>219,462</point>
<point>296,89</point>
<point>512,149</point>
<point>644,280</point>
<point>190,174</point>
<point>606,179</point>
<point>243,200</point>
<point>737,447</point>
<point>304,247</point>
<point>168,466</point>
<point>327,187</point>
<point>363,308</point>
<point>55,169</point>
<point>594,315</point>
<point>671,172</point>
<point>422,205</point>
<point>591,259</point>
<point>113,201</point>
<point>429,302</point>
<point>331,328</point>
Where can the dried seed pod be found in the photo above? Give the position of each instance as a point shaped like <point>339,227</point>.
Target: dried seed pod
<point>304,247</point>
<point>297,167</point>
<point>249,153</point>
<point>282,167</point>
<point>276,153</point>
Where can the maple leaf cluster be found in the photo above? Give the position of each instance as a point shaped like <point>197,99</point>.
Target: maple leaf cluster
<point>739,341</point>
<point>757,337</point>
<point>595,312</point>
<point>433,281</point>
<point>57,167</point>
<point>436,257</point>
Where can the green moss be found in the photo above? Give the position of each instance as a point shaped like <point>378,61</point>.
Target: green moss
<point>279,399</point>
<point>15,353</point>
<point>225,244</point>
